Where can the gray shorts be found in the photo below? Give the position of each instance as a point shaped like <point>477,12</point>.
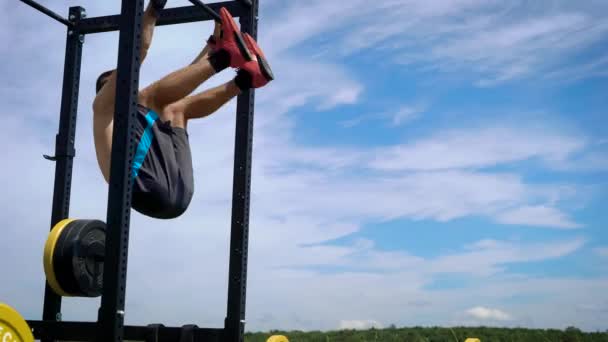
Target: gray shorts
<point>162,167</point>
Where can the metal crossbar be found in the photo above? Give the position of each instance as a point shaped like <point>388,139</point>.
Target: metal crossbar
<point>207,9</point>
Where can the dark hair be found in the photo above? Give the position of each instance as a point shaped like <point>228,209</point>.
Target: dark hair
<point>101,80</point>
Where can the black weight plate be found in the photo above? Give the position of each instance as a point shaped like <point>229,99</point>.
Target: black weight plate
<point>62,258</point>
<point>87,258</point>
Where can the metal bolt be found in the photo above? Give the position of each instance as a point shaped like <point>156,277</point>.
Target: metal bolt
<point>58,317</point>
<point>72,17</point>
<point>83,14</point>
<point>70,32</point>
<point>120,312</point>
<point>81,38</point>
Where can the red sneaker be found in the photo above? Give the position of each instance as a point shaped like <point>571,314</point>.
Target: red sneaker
<point>232,41</point>
<point>259,69</point>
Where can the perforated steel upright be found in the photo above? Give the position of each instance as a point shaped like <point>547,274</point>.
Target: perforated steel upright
<point>111,313</point>
<point>64,146</point>
<point>239,236</point>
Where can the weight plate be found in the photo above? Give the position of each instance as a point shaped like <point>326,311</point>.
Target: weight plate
<point>88,257</point>
<point>62,262</point>
<point>48,258</point>
<point>73,258</point>
<point>277,338</point>
<point>13,328</point>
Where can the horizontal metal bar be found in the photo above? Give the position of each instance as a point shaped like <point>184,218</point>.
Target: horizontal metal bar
<point>217,18</point>
<point>169,16</point>
<point>87,331</point>
<point>245,2</point>
<point>207,9</point>
<point>48,12</point>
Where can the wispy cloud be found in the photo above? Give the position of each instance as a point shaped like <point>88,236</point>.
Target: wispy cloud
<point>406,114</point>
<point>480,259</point>
<point>394,116</point>
<point>479,147</point>
<point>485,259</point>
<point>359,324</point>
<point>597,67</point>
<point>483,313</point>
<point>537,216</point>
<point>494,41</point>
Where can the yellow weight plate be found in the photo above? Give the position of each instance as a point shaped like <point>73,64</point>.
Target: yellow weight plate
<point>472,340</point>
<point>277,338</point>
<point>49,250</point>
<point>13,327</point>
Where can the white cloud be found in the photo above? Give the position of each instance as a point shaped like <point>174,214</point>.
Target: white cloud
<point>593,68</point>
<point>483,313</point>
<point>359,324</point>
<point>399,116</point>
<point>541,216</point>
<point>491,40</point>
<point>488,257</point>
<point>406,114</point>
<point>480,259</point>
<point>479,147</point>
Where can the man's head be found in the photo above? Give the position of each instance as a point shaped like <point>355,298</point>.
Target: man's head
<point>102,79</point>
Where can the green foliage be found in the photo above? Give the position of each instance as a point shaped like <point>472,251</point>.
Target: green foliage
<point>436,334</point>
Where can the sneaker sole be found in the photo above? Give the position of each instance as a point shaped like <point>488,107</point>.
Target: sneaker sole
<point>240,42</point>
<point>262,62</point>
<point>265,68</point>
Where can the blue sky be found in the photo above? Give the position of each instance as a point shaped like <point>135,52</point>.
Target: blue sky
<point>415,163</point>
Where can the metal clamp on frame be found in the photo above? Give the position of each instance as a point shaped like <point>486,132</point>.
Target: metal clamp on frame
<point>61,151</point>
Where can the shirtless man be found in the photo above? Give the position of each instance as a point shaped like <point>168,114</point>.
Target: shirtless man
<point>162,167</point>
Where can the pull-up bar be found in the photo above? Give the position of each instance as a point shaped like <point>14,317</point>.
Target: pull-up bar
<point>66,22</point>
<point>245,2</point>
<point>217,18</point>
<point>48,12</point>
<point>207,9</point>
<point>213,13</point>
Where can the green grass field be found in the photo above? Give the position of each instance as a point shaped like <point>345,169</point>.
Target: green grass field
<point>435,334</point>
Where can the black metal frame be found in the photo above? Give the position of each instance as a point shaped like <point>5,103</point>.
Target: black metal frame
<point>110,323</point>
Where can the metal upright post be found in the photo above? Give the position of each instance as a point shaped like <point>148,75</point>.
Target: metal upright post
<point>111,313</point>
<point>64,147</point>
<point>239,235</point>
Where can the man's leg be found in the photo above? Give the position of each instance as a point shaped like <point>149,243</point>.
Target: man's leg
<point>210,61</point>
<point>252,74</point>
<point>104,103</point>
<point>200,105</point>
<point>180,83</point>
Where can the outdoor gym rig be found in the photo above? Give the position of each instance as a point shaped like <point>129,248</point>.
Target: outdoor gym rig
<point>88,258</point>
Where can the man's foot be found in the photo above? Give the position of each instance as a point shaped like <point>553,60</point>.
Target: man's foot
<point>260,59</point>
<point>255,73</point>
<point>158,5</point>
<point>231,41</point>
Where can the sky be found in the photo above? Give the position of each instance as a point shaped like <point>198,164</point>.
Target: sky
<point>414,163</point>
